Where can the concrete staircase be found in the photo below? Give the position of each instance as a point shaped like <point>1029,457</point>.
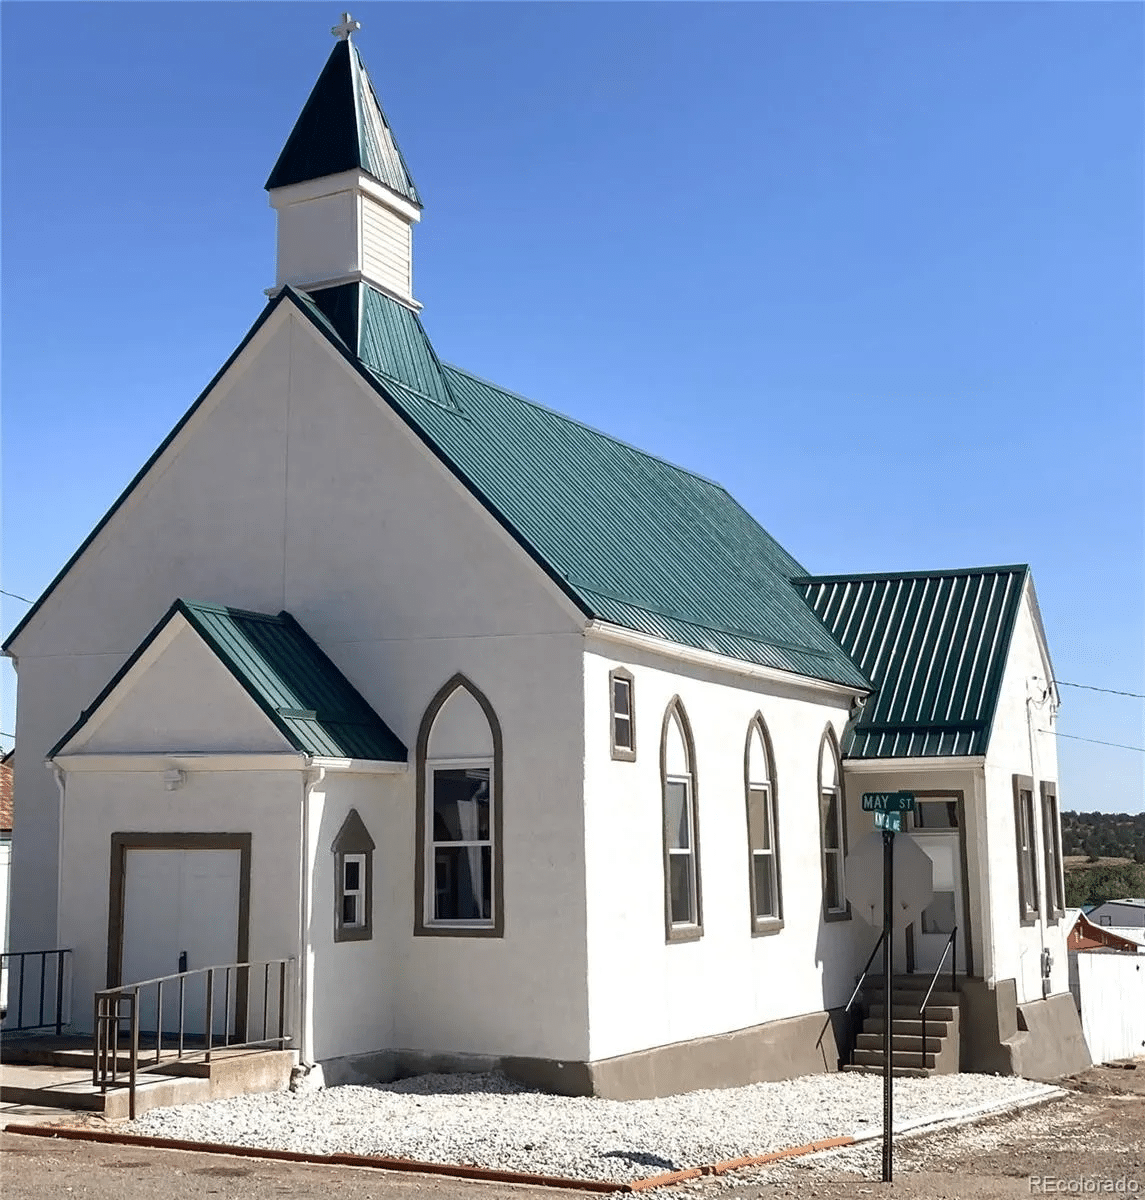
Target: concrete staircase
<point>56,1072</point>
<point>940,1055</point>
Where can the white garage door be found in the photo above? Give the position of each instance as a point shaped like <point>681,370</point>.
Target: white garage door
<point>178,902</point>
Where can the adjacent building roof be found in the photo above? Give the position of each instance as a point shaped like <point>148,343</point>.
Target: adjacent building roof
<point>636,541</point>
<point>934,644</point>
<point>311,703</point>
<point>342,128</point>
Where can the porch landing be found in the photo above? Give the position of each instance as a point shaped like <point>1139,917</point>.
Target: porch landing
<point>56,1072</point>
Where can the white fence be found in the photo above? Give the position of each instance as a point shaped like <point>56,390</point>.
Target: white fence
<point>1109,988</point>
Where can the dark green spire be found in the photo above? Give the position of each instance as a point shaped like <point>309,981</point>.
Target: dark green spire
<point>343,128</point>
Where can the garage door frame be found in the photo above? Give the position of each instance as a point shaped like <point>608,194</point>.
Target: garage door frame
<point>122,842</point>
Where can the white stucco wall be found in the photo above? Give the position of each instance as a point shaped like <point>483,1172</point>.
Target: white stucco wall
<point>178,697</point>
<point>1016,747</point>
<point>266,804</point>
<point>294,487</point>
<point>644,991</point>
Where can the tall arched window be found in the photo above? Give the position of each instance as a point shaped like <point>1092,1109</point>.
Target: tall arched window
<point>833,822</point>
<point>762,830</point>
<point>458,874</point>
<point>682,900</point>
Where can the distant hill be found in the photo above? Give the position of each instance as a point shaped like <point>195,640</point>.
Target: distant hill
<point>1104,835</point>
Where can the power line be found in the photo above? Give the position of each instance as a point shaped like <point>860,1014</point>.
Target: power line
<point>1073,737</point>
<point>1090,688</point>
<point>5,592</point>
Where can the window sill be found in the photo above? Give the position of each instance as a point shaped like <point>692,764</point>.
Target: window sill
<point>766,926</point>
<point>353,933</point>
<point>684,933</point>
<point>842,914</point>
<point>495,930</point>
<point>621,755</point>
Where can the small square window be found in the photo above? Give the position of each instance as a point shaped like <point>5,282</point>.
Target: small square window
<point>622,715</point>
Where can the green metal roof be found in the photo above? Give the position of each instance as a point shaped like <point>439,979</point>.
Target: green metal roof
<point>933,643</point>
<point>634,540</point>
<point>312,704</point>
<point>342,127</point>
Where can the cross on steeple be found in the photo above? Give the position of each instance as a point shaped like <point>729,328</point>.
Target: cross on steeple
<point>349,26</point>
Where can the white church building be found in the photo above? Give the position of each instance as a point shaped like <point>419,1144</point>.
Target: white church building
<point>531,749</point>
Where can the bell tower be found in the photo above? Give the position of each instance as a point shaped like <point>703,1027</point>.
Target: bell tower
<point>345,200</point>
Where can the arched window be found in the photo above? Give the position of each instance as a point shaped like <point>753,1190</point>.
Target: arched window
<point>458,874</point>
<point>762,830</point>
<point>682,901</point>
<point>833,821</point>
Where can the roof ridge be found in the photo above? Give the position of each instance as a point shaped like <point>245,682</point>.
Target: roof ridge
<point>947,573</point>
<point>230,610</point>
<point>582,424</point>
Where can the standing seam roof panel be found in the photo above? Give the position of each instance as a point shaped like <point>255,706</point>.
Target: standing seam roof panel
<point>935,646</point>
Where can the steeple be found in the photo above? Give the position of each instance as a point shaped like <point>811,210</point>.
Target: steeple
<point>345,199</point>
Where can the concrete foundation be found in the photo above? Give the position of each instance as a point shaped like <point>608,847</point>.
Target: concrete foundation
<point>786,1049</point>
<point>1039,1040</point>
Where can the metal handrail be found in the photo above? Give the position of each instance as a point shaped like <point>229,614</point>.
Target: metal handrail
<point>109,1015</point>
<point>863,976</point>
<point>43,955</point>
<point>951,949</point>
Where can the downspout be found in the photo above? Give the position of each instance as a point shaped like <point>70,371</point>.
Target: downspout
<point>1039,823</point>
<point>311,777</point>
<point>61,787</point>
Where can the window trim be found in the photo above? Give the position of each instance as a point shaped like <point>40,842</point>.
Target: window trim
<point>691,931</point>
<point>829,739</point>
<point>1029,906</point>
<point>763,926</point>
<point>622,753</point>
<point>433,765</point>
<point>422,908</point>
<point>353,841</point>
<point>1052,851</point>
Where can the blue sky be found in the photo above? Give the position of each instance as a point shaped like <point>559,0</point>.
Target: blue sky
<point>875,267</point>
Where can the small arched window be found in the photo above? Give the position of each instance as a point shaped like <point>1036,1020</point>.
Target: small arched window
<point>682,895</point>
<point>833,822</point>
<point>459,820</point>
<point>762,830</point>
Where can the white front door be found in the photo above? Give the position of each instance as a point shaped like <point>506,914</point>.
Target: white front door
<point>176,903</point>
<point>936,831</point>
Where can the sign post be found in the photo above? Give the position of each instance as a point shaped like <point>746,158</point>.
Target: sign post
<point>888,808</point>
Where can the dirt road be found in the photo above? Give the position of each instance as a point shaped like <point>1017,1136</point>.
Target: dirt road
<point>1091,1143</point>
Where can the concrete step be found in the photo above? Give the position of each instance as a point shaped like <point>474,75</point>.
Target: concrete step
<point>61,1087</point>
<point>913,997</point>
<point>897,1072</point>
<point>230,1073</point>
<point>913,983</point>
<point>906,1058</point>
<point>934,1028</point>
<point>902,1042</point>
<point>936,1012</point>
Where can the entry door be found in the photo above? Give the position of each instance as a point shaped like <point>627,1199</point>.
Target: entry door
<point>179,902</point>
<point>944,912</point>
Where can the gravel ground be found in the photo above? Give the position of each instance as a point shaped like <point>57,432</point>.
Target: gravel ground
<point>490,1121</point>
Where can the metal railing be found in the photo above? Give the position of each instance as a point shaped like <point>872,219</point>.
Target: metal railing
<point>57,1011</point>
<point>118,1005</point>
<point>863,976</point>
<point>952,949</point>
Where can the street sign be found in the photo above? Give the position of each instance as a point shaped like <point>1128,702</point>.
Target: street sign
<point>888,802</point>
<point>889,820</point>
<point>863,875</point>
